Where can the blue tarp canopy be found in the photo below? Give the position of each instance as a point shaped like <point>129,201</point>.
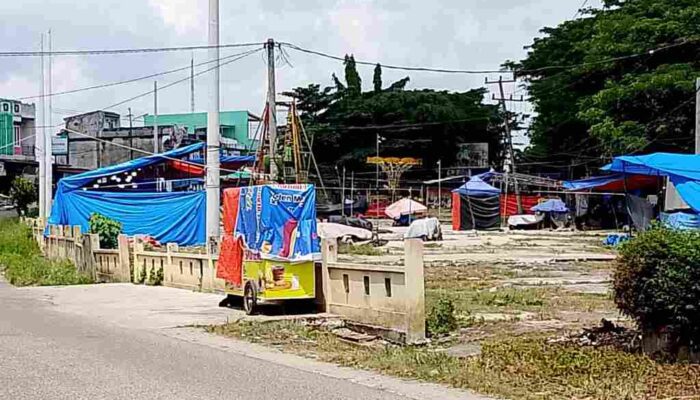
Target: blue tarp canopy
<point>177,217</point>
<point>682,169</point>
<point>227,159</point>
<point>591,183</point>
<point>551,205</point>
<point>478,188</point>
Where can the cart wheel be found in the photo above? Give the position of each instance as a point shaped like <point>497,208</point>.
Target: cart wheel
<point>250,297</point>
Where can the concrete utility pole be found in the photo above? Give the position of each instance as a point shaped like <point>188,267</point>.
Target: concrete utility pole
<point>439,163</point>
<point>697,116</point>
<point>155,117</point>
<point>40,142</point>
<point>213,141</point>
<point>48,151</point>
<point>271,108</point>
<point>509,137</point>
<point>192,85</point>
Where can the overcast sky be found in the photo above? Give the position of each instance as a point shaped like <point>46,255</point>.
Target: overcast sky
<point>466,34</point>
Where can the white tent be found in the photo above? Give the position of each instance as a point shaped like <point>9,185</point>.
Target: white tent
<point>405,206</point>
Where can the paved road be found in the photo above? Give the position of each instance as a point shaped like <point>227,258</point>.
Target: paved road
<point>49,350</point>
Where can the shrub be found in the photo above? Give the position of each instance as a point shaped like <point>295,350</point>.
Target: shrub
<point>657,282</point>
<point>441,317</point>
<point>23,192</point>
<point>107,228</point>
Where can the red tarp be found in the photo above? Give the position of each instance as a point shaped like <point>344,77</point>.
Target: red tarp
<point>187,167</point>
<point>509,204</point>
<point>373,211</point>
<point>632,182</point>
<point>230,265</point>
<point>456,209</point>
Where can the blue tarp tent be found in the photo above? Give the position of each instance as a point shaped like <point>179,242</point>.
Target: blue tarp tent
<point>682,169</point>
<point>177,217</point>
<point>591,183</point>
<point>478,188</point>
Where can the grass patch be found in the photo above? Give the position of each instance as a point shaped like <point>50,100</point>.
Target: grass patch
<point>359,250</point>
<point>23,265</point>
<point>523,368</point>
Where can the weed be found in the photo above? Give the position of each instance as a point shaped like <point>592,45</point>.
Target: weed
<point>359,250</point>
<point>441,317</point>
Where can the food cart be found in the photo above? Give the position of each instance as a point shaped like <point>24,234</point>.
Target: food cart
<point>270,243</point>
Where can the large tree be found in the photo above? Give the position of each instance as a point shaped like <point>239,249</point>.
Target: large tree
<point>425,124</point>
<point>617,80</point>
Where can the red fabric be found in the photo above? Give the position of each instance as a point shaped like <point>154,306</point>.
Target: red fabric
<point>509,205</point>
<point>231,198</point>
<point>456,217</point>
<point>374,211</point>
<point>289,228</point>
<point>187,167</point>
<point>230,265</point>
<point>633,182</point>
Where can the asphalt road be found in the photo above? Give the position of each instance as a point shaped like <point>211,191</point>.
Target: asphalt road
<point>48,354</point>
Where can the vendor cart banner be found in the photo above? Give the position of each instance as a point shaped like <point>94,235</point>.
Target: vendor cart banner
<point>279,222</point>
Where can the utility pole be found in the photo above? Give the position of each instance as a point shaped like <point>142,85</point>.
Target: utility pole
<point>271,108</point>
<point>192,84</point>
<point>510,168</point>
<point>213,141</point>
<point>131,135</point>
<point>439,163</point>
<point>352,193</point>
<point>342,194</point>
<point>155,117</point>
<point>48,163</point>
<point>40,141</point>
<point>697,116</point>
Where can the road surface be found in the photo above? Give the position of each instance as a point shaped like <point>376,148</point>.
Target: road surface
<point>112,342</point>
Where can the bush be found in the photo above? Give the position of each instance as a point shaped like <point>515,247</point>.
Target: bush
<point>657,282</point>
<point>441,317</point>
<point>107,228</point>
<point>23,193</point>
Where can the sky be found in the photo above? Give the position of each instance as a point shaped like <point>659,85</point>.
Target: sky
<point>455,34</point>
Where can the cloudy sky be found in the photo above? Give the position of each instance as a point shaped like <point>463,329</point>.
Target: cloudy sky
<point>466,34</point>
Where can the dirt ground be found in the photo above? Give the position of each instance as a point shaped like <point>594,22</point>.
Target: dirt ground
<point>513,282</point>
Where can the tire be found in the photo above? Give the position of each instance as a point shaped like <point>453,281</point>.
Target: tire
<point>250,298</point>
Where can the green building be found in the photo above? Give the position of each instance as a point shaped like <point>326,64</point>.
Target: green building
<point>234,124</point>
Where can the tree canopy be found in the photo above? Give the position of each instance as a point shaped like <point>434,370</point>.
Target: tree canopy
<point>617,80</point>
<point>425,124</point>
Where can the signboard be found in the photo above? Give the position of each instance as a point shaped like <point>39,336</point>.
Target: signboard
<point>473,154</point>
<point>59,145</point>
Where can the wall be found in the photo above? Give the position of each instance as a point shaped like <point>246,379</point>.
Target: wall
<point>392,297</point>
<point>237,119</point>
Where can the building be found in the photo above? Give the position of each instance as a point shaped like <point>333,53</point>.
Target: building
<point>17,133</point>
<point>236,130</point>
<point>98,139</point>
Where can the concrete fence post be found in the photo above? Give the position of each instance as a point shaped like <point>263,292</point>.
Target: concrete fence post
<point>138,249</point>
<point>123,272</point>
<point>170,248</point>
<point>415,290</point>
<point>329,254</point>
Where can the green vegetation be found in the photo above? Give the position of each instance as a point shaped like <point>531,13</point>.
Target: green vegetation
<point>155,276</point>
<point>522,368</point>
<point>621,97</point>
<point>23,265</point>
<point>107,228</point>
<point>359,250</point>
<point>23,193</point>
<point>441,318</point>
<point>656,282</point>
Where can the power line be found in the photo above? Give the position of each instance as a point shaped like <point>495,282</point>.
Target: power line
<point>578,11</point>
<point>140,78</point>
<point>121,51</point>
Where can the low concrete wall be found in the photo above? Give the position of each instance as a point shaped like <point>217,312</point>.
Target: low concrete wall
<point>392,297</point>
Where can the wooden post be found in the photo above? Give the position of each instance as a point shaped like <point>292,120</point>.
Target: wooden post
<point>90,245</point>
<point>329,254</point>
<point>77,247</point>
<point>138,249</point>
<point>123,271</point>
<point>415,291</point>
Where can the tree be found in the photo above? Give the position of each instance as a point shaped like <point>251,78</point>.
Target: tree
<point>377,79</point>
<point>23,192</point>
<point>620,96</point>
<point>352,78</point>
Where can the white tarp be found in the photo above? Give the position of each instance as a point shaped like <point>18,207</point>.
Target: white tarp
<point>524,219</point>
<point>330,230</point>
<point>428,228</point>
<point>405,206</point>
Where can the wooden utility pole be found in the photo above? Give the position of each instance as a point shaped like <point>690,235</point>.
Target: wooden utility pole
<point>510,159</point>
<point>131,136</point>
<point>192,85</point>
<point>155,117</point>
<point>40,141</point>
<point>48,163</point>
<point>271,109</point>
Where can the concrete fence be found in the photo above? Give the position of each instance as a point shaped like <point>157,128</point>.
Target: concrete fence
<point>386,296</point>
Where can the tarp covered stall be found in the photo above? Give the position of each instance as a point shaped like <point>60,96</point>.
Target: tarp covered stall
<point>612,183</point>
<point>177,217</point>
<point>681,169</point>
<point>475,205</point>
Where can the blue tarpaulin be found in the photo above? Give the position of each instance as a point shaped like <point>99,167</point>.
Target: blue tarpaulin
<point>224,159</point>
<point>551,205</point>
<point>478,188</point>
<point>682,169</point>
<point>591,183</point>
<point>279,222</point>
<point>177,217</point>
<point>681,220</point>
